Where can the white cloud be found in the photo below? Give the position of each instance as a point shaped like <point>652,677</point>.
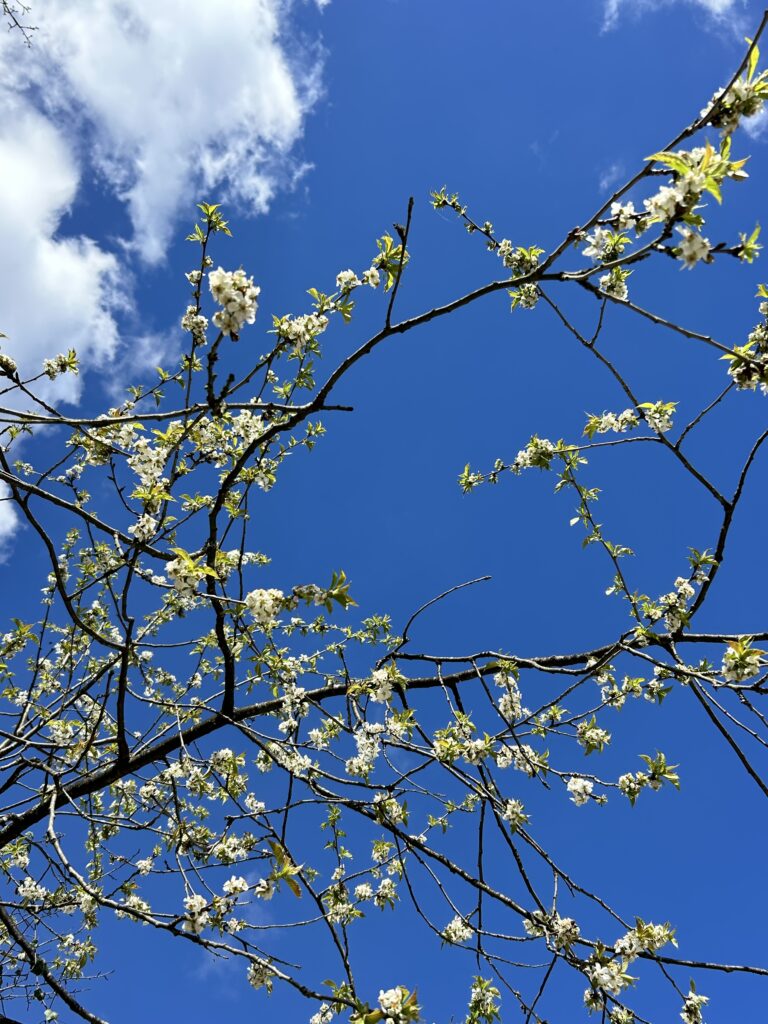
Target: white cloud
<point>756,127</point>
<point>55,293</point>
<point>8,520</point>
<point>720,10</point>
<point>182,100</point>
<point>611,176</point>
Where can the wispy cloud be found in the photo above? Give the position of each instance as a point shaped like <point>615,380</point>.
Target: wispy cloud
<point>719,10</point>
<point>611,176</point>
<point>757,127</point>
<point>8,520</point>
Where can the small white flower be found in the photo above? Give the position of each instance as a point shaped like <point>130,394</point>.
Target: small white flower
<point>625,216</point>
<point>196,908</point>
<point>235,886</point>
<point>8,366</point>
<point>381,691</point>
<point>346,280</point>
<point>371,277</point>
<point>391,1000</point>
<point>580,790</point>
<point>457,931</point>
<point>693,247</point>
<point>598,241</point>
<point>665,203</point>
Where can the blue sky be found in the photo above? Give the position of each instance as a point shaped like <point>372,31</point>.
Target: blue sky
<point>314,124</point>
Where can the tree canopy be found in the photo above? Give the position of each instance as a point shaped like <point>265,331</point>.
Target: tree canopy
<point>224,763</point>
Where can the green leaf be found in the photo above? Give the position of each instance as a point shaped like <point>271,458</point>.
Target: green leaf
<point>754,57</point>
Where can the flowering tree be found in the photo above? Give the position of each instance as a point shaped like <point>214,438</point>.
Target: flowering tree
<point>179,744</point>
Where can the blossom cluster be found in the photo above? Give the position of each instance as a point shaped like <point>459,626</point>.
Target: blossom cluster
<point>604,245</point>
<point>658,415</point>
<point>614,283</point>
<point>264,606</point>
<point>511,701</point>
<point>693,248</point>
<point>524,758</point>
<point>672,606</point>
<point>513,813</point>
<point>144,528</point>
<point>483,1002</point>
<point>741,661</point>
<point>538,453</point>
<point>562,932</point>
<point>147,461</point>
<point>591,736</point>
<point>744,98</point>
<point>518,259</point>
<point>748,364</point>
<point>61,363</point>
<point>611,421</point>
<point>526,296</point>
<point>346,280</point>
<point>457,931</point>
<point>368,743</point>
<point>691,1012</point>
<point>195,324</point>
<point>301,331</point>
<point>185,575</point>
<point>196,913</point>
<point>8,367</point>
<point>580,790</point>
<point>237,295</point>
<point>397,1006</point>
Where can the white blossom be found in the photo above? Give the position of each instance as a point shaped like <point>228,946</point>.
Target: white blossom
<point>608,977</point>
<point>8,367</point>
<point>381,686</point>
<point>323,1016</point>
<point>264,606</point>
<point>625,216</point>
<point>144,528</point>
<point>237,295</point>
<point>31,891</point>
<point>741,662</point>
<point>301,330</point>
<point>391,1000</point>
<point>598,241</point>
<point>235,886</point>
<point>346,280</point>
<point>580,790</point>
<point>457,931</point>
<point>691,1012</point>
<point>538,453</point>
<point>197,916</point>
<point>260,975</point>
<point>665,203</point>
<point>525,759</point>
<point>693,247</point>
